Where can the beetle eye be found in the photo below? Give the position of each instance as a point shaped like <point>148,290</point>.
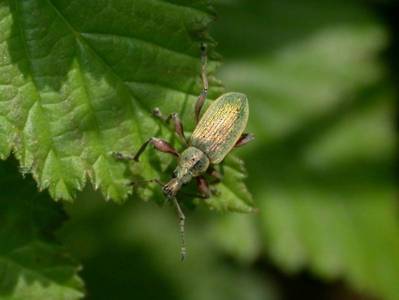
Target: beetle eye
<point>197,165</point>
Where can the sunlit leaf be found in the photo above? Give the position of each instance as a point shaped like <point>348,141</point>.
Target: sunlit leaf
<point>79,79</point>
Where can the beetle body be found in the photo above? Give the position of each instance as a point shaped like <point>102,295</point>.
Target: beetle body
<point>221,126</point>
<point>215,135</point>
<point>220,129</point>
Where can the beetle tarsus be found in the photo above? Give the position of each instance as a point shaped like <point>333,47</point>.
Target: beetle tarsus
<point>121,156</point>
<point>215,175</point>
<point>178,126</point>
<point>214,191</point>
<point>156,112</point>
<point>204,93</point>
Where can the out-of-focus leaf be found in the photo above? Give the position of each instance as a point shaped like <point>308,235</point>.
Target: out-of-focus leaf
<point>32,265</point>
<point>237,236</point>
<point>138,251</point>
<point>338,211</point>
<point>321,168</point>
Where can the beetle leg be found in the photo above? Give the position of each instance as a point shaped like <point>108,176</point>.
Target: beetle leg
<point>202,97</point>
<point>244,139</point>
<point>215,174</point>
<point>159,144</point>
<point>176,121</point>
<point>203,187</point>
<point>142,182</point>
<point>138,183</point>
<point>122,156</point>
<point>178,126</point>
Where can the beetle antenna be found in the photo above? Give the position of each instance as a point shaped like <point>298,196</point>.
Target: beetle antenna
<point>182,219</point>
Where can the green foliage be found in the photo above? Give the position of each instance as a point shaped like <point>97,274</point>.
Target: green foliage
<point>78,80</point>
<point>136,256</point>
<point>322,104</point>
<point>32,265</point>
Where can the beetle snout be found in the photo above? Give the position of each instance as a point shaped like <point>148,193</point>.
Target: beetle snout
<point>171,188</point>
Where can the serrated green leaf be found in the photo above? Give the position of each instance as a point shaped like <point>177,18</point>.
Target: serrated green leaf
<point>231,193</point>
<point>79,79</point>
<point>32,264</point>
<point>323,177</point>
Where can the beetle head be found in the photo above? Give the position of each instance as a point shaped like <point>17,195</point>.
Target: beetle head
<point>171,188</point>
<point>192,162</point>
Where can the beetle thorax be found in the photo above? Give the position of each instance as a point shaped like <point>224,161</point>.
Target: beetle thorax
<point>192,163</point>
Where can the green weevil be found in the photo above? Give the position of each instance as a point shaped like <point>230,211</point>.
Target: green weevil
<point>217,132</point>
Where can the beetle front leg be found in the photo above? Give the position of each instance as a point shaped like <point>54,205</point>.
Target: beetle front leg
<point>202,97</point>
<point>159,144</point>
<point>203,187</point>
<point>244,139</point>
<point>176,121</point>
<point>205,191</point>
<point>142,182</point>
<point>215,174</point>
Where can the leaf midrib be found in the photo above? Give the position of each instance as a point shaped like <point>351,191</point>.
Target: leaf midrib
<point>80,38</point>
<point>39,98</point>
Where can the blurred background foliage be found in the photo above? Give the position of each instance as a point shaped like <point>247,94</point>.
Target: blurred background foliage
<point>321,92</point>
<point>322,102</point>
<point>320,77</point>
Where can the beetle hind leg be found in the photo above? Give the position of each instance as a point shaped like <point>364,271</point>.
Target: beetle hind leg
<point>174,117</point>
<point>244,139</point>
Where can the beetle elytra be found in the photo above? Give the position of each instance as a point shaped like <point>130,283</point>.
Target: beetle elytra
<point>217,132</point>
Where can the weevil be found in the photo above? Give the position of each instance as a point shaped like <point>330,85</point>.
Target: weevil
<point>217,132</point>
